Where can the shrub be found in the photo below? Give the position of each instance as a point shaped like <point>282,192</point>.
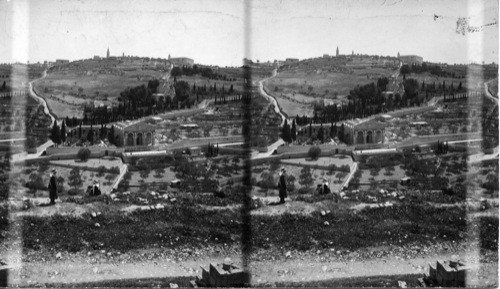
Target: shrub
<point>101,170</point>
<point>114,170</point>
<point>305,190</point>
<point>314,152</point>
<point>73,192</point>
<point>83,154</point>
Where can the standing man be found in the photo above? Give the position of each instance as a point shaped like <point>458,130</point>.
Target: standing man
<point>53,187</point>
<point>282,186</point>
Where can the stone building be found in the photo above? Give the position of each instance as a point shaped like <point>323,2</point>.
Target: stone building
<point>411,59</point>
<point>180,61</point>
<point>129,134</point>
<point>368,132</point>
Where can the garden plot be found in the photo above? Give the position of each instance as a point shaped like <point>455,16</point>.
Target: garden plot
<point>80,180</point>
<point>323,161</point>
<point>108,163</point>
<point>143,178</point>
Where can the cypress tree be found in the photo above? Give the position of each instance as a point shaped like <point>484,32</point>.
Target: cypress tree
<point>90,135</point>
<point>293,132</point>
<point>55,134</point>
<point>285,132</point>
<point>320,134</point>
<point>63,131</point>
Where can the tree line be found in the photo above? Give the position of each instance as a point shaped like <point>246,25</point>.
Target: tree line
<point>206,72</point>
<point>140,101</point>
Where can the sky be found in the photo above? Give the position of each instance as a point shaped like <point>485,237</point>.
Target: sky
<point>222,32</point>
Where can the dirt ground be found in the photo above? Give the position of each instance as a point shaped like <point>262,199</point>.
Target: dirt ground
<point>295,268</point>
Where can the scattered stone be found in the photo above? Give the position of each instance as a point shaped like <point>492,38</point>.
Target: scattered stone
<point>172,200</point>
<point>95,270</point>
<point>324,268</point>
<point>160,206</point>
<point>59,255</point>
<point>173,285</point>
<point>97,225</point>
<point>326,223</point>
<point>288,254</point>
<point>323,213</point>
<point>94,214</point>
<point>402,284</point>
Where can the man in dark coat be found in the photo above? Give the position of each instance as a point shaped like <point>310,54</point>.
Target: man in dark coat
<point>53,187</point>
<point>282,186</point>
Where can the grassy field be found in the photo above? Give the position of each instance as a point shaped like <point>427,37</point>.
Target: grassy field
<point>292,108</point>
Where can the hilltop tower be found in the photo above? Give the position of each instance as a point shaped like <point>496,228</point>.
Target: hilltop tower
<point>169,56</point>
<point>337,53</point>
<point>398,54</point>
<point>352,53</point>
<point>107,53</point>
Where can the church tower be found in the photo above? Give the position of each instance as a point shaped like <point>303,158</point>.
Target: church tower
<point>107,53</point>
<point>337,54</point>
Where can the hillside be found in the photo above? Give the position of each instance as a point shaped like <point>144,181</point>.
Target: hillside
<point>300,84</point>
<point>68,87</point>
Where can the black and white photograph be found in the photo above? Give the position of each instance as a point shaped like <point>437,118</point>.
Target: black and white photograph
<point>249,143</point>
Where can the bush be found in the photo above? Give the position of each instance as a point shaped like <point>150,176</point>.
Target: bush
<point>84,154</point>
<point>305,190</point>
<point>101,170</point>
<point>314,152</point>
<point>73,192</point>
<point>114,170</point>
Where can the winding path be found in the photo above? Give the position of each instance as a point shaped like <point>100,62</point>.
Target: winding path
<point>40,99</point>
<point>271,98</point>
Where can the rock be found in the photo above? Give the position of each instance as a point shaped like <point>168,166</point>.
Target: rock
<point>97,225</point>
<point>95,270</point>
<point>160,206</point>
<point>94,214</point>
<point>402,284</point>
<point>113,196</point>
<point>59,255</point>
<point>288,254</point>
<point>173,285</point>
<point>323,213</point>
<point>324,268</point>
<point>172,200</point>
<point>326,223</point>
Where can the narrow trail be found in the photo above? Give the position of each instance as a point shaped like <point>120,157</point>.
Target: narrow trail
<point>40,99</point>
<point>271,98</point>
